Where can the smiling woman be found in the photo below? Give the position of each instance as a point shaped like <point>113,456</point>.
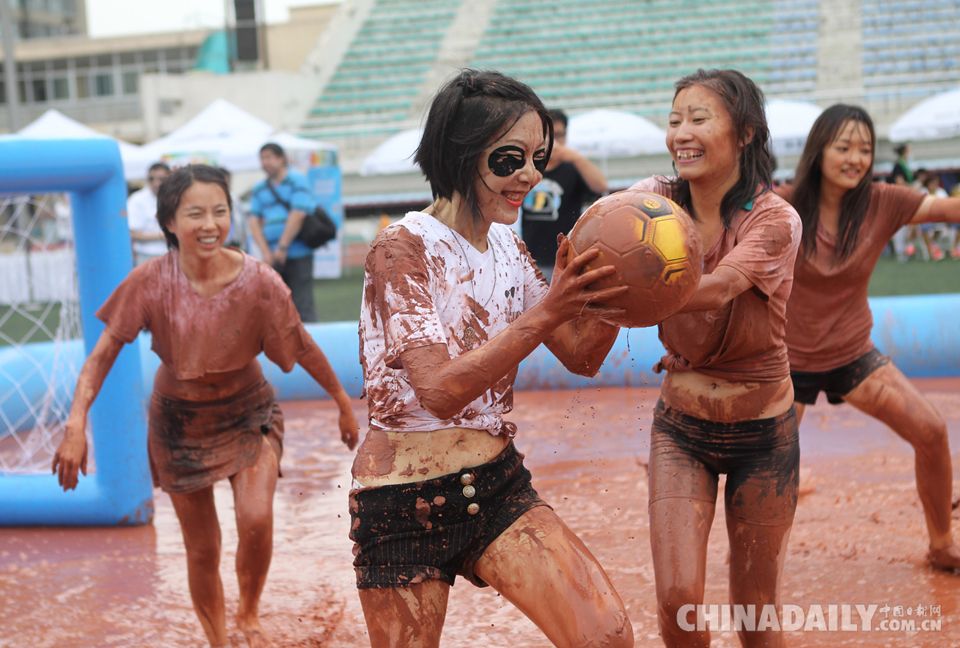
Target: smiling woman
<point>847,221</point>
<point>726,402</point>
<point>210,310</point>
<point>452,303</point>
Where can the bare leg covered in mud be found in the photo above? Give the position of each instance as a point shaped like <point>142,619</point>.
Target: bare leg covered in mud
<point>757,553</point>
<point>540,566</point>
<point>201,538</point>
<point>679,531</point>
<point>253,490</point>
<point>410,616</point>
<point>760,500</point>
<point>890,397</point>
<point>537,564</point>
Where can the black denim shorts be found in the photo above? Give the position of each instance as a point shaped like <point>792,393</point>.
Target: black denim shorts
<point>838,382</point>
<point>435,529</point>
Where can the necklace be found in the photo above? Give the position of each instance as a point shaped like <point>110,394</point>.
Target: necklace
<point>466,260</point>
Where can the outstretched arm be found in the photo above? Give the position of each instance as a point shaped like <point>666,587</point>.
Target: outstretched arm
<point>71,456</point>
<point>717,289</point>
<point>446,385</point>
<point>315,362</point>
<point>937,210</point>
<point>764,254</point>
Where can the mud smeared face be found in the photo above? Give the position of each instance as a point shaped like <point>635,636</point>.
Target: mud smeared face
<point>701,137</point>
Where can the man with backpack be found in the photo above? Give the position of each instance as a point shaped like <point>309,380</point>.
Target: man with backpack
<point>278,206</point>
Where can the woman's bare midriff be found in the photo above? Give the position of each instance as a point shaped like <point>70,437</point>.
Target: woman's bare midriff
<point>213,386</point>
<point>387,457</point>
<point>716,399</point>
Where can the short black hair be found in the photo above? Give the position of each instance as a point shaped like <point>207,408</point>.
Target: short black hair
<point>901,149</point>
<point>557,115</point>
<point>470,111</point>
<point>173,187</point>
<point>158,166</point>
<point>274,148</point>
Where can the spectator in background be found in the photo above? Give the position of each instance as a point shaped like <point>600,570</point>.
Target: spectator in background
<point>277,209</point>
<point>145,232</point>
<point>902,174</point>
<point>931,231</point>
<point>555,203</point>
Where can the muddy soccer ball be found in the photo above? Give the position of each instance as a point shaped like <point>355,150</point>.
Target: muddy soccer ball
<point>654,246</point>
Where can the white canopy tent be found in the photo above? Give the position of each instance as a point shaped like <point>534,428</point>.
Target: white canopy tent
<point>790,123</point>
<point>937,117</point>
<point>228,136</point>
<point>53,124</point>
<point>394,155</point>
<point>614,133</point>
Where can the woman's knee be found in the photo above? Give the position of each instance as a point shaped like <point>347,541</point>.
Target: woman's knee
<point>203,551</point>
<point>255,524</point>
<point>676,604</point>
<point>930,436</point>
<point>612,630</point>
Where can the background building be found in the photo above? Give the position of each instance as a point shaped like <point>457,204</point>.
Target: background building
<point>49,18</point>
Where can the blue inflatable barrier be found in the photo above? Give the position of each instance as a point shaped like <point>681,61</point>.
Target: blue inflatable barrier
<point>919,332</point>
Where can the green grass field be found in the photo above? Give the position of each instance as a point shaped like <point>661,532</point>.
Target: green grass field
<point>339,299</point>
<point>915,277</point>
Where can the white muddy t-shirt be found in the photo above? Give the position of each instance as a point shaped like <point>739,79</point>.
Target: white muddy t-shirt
<point>425,284</point>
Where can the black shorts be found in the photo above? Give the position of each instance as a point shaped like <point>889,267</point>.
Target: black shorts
<point>761,459</point>
<point>435,529</point>
<point>838,382</point>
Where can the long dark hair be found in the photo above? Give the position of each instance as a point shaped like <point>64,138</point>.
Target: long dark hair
<point>470,111</point>
<point>173,187</point>
<point>744,102</point>
<point>809,180</point>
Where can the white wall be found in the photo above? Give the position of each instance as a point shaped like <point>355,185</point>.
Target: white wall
<point>280,98</point>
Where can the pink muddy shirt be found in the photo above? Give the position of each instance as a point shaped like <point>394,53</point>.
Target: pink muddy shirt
<point>195,336</point>
<point>742,341</point>
<point>425,284</point>
<point>828,316</point>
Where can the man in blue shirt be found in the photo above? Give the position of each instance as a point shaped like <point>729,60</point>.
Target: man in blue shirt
<point>277,209</point>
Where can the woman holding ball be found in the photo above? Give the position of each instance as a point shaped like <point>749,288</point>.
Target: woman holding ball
<point>726,404</point>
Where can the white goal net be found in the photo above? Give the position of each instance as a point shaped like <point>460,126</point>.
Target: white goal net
<point>40,331</point>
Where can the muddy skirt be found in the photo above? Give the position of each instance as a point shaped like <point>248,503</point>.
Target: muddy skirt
<point>193,444</point>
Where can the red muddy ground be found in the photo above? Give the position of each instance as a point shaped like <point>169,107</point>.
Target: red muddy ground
<point>858,538</point>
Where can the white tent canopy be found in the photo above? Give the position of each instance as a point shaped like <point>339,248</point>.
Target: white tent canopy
<point>229,136</point>
<point>937,117</point>
<point>790,123</point>
<point>394,155</point>
<point>614,133</point>
<point>53,124</point>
